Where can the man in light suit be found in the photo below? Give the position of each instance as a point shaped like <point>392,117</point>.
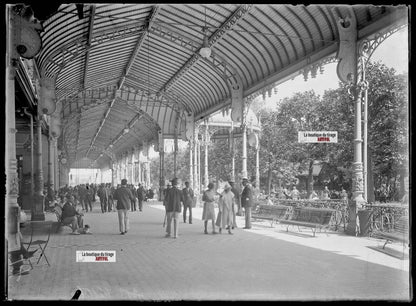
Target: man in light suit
<point>247,201</point>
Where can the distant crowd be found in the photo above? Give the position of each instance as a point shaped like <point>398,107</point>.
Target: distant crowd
<point>86,194</point>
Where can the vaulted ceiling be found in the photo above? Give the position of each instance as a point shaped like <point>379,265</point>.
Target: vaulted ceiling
<point>138,65</point>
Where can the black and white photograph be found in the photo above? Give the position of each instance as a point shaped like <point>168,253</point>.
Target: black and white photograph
<point>175,152</point>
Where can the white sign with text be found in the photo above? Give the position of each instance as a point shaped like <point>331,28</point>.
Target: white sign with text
<point>317,137</point>
<point>96,256</point>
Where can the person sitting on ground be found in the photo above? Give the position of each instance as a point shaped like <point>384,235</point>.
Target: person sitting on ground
<point>71,216</point>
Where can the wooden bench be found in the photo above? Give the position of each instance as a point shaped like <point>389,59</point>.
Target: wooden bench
<point>273,213</point>
<point>58,213</point>
<point>399,233</point>
<point>315,218</point>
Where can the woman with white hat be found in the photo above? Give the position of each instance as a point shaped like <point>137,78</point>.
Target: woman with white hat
<point>208,212</point>
<point>225,205</point>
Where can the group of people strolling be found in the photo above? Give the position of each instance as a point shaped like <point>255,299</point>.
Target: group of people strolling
<point>227,202</point>
<point>72,202</point>
<point>106,195</point>
<point>173,200</point>
<point>230,203</point>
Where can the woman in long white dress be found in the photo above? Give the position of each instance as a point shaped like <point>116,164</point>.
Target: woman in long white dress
<point>225,206</point>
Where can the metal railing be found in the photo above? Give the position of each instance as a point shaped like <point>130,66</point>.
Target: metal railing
<point>385,215</point>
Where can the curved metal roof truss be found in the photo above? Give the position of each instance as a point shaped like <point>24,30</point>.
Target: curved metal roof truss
<point>138,65</point>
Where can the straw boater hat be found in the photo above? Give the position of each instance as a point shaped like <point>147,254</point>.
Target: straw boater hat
<point>227,186</point>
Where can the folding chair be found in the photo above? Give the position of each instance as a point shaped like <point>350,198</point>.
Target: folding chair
<point>39,229</point>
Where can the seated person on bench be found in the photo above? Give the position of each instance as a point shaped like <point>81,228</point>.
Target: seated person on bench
<point>71,216</point>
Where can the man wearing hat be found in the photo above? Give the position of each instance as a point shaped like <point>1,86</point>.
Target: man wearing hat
<point>247,201</point>
<point>174,198</point>
<point>103,195</point>
<point>71,216</point>
<point>124,198</point>
<point>188,197</point>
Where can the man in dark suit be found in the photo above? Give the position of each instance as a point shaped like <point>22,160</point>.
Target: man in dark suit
<point>141,194</point>
<point>103,195</point>
<point>173,208</point>
<point>188,198</point>
<point>247,201</point>
<point>123,196</point>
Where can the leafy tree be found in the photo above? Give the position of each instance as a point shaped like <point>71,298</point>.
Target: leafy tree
<point>282,157</point>
<point>302,112</point>
<point>388,129</point>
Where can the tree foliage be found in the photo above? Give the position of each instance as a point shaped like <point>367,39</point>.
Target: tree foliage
<point>282,158</point>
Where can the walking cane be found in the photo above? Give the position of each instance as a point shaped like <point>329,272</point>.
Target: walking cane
<point>164,221</point>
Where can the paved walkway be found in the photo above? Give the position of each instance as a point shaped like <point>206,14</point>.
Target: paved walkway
<point>259,264</point>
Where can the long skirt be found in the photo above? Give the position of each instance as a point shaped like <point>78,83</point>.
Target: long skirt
<point>208,212</point>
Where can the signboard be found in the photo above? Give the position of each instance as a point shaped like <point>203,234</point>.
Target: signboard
<point>317,137</point>
<point>95,256</point>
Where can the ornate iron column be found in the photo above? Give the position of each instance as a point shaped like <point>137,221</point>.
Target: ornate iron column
<point>175,153</point>
<point>350,71</point>
<point>206,142</point>
<point>51,177</point>
<point>126,166</point>
<point>139,164</point>
<point>366,49</point>
<point>12,186</point>
<point>113,173</point>
<point>199,165</point>
<point>258,164</point>
<point>148,179</point>
<point>232,151</point>
<point>196,144</point>
<point>244,155</point>
<point>136,163</point>
<point>191,164</point>
<point>365,129</point>
<point>57,166</point>
<point>32,158</point>
<point>161,149</point>
<point>37,207</point>
<point>131,165</point>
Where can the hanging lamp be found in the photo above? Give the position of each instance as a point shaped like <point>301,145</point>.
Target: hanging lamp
<point>205,51</point>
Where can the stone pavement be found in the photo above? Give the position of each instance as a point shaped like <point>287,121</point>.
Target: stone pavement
<point>259,264</point>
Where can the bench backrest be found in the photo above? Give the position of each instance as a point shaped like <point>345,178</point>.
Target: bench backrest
<point>278,211</point>
<point>312,215</point>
